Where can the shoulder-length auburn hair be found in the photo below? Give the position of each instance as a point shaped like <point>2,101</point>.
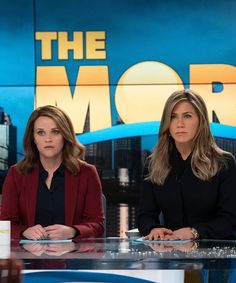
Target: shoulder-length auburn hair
<point>207,158</point>
<point>73,151</point>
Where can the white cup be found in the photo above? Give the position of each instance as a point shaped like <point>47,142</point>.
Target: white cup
<point>5,239</point>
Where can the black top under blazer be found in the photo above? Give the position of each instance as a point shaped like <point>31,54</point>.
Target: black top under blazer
<point>187,201</point>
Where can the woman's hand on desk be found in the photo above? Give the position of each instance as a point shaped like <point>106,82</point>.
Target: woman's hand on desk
<point>167,234</point>
<point>60,232</point>
<point>36,232</point>
<point>159,234</point>
<point>181,234</point>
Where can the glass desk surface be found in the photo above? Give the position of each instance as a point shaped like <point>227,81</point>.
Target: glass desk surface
<point>116,253</point>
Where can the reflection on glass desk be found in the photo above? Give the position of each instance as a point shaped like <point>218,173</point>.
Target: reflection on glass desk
<point>116,253</point>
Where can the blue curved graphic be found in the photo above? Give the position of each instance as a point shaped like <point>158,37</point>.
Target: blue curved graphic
<point>145,129</point>
<point>79,276</point>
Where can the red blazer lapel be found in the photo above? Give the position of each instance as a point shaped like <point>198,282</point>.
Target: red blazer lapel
<point>71,189</point>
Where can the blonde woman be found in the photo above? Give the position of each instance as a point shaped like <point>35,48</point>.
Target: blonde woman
<point>188,178</point>
<point>52,193</point>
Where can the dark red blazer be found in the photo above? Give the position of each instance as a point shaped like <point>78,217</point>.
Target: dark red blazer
<point>83,201</point>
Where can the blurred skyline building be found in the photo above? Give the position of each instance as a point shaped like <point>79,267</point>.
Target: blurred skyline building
<point>119,164</point>
<point>227,144</point>
<point>99,154</point>
<point>128,160</point>
<point>224,143</point>
<point>8,150</point>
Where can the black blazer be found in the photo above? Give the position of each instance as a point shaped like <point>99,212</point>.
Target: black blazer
<point>186,201</point>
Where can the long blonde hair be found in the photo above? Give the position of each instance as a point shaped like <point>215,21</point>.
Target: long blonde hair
<point>207,157</point>
<point>73,151</point>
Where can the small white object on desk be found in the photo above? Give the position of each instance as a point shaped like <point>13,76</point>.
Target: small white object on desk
<point>5,239</point>
<point>133,233</point>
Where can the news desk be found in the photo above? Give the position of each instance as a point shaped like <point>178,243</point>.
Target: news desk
<point>213,261</point>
